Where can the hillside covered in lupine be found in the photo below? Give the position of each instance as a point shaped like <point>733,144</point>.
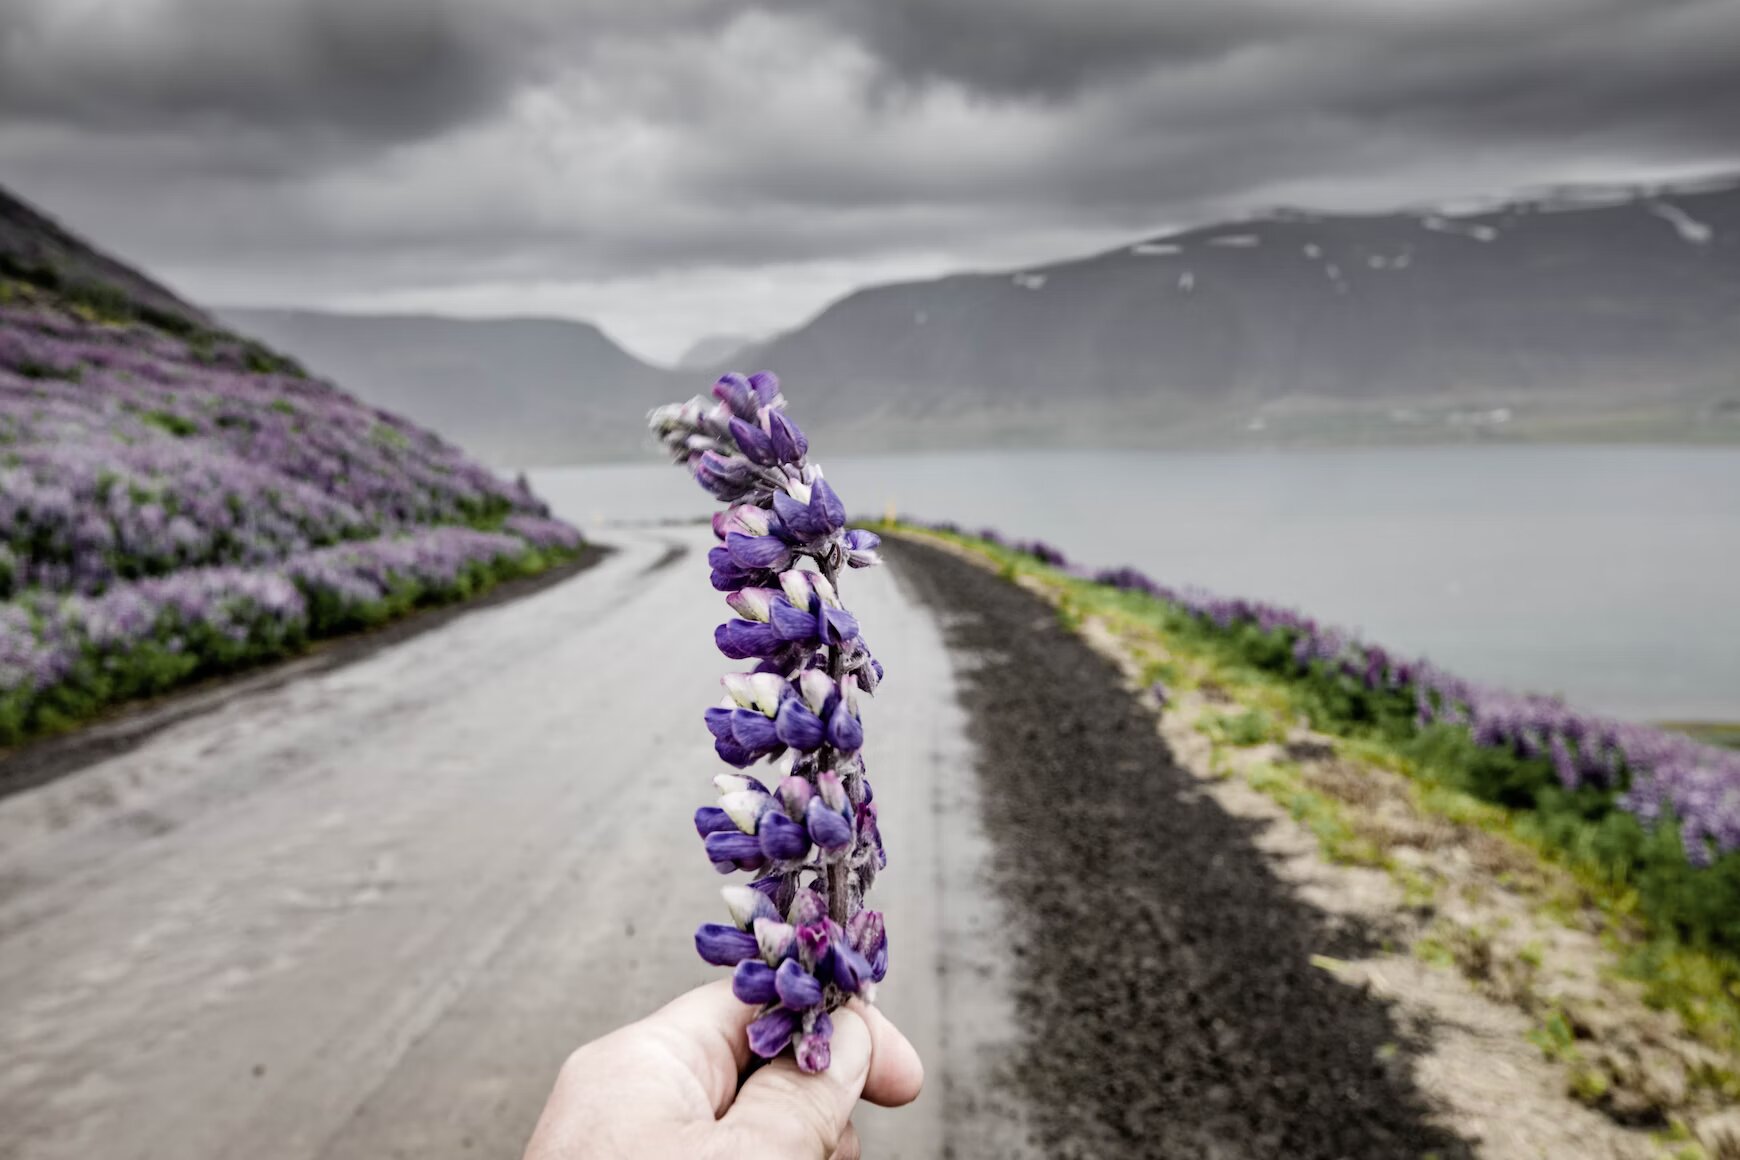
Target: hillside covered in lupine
<point>177,500</point>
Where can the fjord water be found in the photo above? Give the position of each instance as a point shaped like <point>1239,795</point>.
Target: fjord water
<point>1610,575</point>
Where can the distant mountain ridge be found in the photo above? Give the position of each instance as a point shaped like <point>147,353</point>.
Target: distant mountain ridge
<point>1586,312</point>
<point>1589,310</point>
<point>516,391</point>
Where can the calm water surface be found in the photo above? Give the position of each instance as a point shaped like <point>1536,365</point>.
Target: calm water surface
<point>1611,575</point>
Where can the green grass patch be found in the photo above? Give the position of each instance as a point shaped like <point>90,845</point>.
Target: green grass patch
<point>169,421</point>
<point>1252,727</point>
<point>177,653</point>
<point>1725,733</point>
<point>99,301</point>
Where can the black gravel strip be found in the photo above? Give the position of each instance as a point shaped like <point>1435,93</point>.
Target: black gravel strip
<point>1164,977</point>
<point>126,727</point>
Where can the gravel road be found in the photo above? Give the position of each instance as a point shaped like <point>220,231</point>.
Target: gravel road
<point>1165,971</point>
<point>367,911</point>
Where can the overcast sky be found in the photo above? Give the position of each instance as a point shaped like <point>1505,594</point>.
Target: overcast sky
<point>672,168</point>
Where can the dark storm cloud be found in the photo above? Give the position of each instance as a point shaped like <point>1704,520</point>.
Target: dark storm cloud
<point>393,144</point>
<point>396,69</point>
<point>1471,66</point>
<point>370,68</point>
<point>377,71</point>
<point>1171,106</point>
<point>1048,48</point>
<point>1659,74</point>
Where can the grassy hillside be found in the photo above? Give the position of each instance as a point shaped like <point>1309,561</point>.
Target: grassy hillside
<point>176,501</point>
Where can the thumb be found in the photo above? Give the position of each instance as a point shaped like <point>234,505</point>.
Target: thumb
<point>783,1114</point>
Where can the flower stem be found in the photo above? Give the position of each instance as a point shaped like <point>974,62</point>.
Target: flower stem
<point>840,869</point>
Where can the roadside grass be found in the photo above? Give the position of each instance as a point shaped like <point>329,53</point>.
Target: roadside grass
<point>180,652</point>
<point>1709,732</point>
<point>1643,922</point>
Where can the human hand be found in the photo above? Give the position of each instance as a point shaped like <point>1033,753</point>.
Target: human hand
<point>667,1086</point>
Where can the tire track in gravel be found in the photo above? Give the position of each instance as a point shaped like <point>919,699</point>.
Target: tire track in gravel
<point>1162,973</point>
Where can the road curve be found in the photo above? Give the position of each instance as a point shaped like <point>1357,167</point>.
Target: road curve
<point>368,912</point>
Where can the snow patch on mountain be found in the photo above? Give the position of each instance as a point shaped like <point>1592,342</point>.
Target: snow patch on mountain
<point>1689,228</point>
<point>1466,229</point>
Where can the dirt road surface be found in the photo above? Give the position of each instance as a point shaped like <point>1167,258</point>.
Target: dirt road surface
<point>367,914</point>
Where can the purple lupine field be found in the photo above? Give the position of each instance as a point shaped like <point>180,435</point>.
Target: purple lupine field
<point>1654,774</point>
<point>172,504</point>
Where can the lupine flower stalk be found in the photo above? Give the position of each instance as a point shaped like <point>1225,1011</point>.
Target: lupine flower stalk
<point>800,940</point>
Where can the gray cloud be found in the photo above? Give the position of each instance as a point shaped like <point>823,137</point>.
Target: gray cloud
<point>1660,75</point>
<point>1026,48</point>
<point>266,149</point>
<point>377,71</point>
<point>372,69</point>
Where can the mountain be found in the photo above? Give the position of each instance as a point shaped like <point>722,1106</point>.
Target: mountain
<point>1579,313</point>
<point>177,501</point>
<point>517,391</point>
<point>714,350</point>
<point>1587,312</point>
<point>36,250</point>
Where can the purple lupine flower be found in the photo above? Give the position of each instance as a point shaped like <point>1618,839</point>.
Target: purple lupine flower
<point>753,983</point>
<point>743,640</point>
<point>772,1033</point>
<point>798,990</point>
<point>725,946</point>
<point>810,612</point>
<point>757,553</point>
<point>829,828</point>
<point>783,839</point>
<point>861,548</point>
<point>789,444</point>
<point>799,727</point>
<point>814,1051</point>
<point>844,731</point>
<point>734,851</point>
<point>713,820</point>
<point>812,842</point>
